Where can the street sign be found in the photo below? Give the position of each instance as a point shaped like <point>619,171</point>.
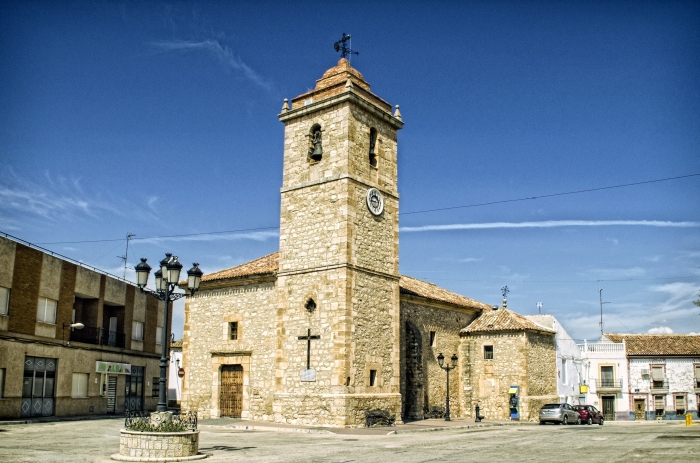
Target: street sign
<point>181,372</point>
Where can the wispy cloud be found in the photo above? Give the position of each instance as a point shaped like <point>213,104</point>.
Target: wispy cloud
<point>614,241</point>
<point>679,294</point>
<point>221,53</point>
<point>660,330</point>
<point>550,224</point>
<point>254,236</point>
<point>57,198</point>
<point>612,273</point>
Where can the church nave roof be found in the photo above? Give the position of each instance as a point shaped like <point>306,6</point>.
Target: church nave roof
<point>269,265</point>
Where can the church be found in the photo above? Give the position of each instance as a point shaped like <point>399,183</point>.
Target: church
<point>326,329</point>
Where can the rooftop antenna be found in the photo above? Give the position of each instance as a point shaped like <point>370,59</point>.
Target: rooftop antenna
<point>344,46</point>
<point>539,308</point>
<point>505,292</point>
<point>600,291</point>
<point>126,255</point>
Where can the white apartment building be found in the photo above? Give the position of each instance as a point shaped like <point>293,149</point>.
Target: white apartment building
<point>605,378</point>
<point>664,373</point>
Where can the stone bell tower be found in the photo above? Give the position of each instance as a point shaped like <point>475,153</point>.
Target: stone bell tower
<point>338,280</point>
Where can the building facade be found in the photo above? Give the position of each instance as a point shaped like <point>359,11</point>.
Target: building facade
<point>569,364</point>
<point>326,329</point>
<point>48,367</point>
<point>605,378</point>
<point>664,375</point>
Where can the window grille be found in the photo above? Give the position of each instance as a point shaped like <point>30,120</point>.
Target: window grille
<point>233,330</point>
<point>80,385</point>
<point>46,310</point>
<point>488,352</point>
<point>137,332</point>
<point>155,387</point>
<point>4,300</point>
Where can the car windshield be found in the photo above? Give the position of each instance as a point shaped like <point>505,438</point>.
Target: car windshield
<point>550,406</point>
<point>581,407</point>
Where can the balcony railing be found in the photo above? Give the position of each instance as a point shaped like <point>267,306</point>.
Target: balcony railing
<point>98,336</point>
<point>601,347</point>
<point>659,387</point>
<point>608,384</point>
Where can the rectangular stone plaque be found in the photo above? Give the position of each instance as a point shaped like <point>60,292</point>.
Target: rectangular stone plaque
<point>308,375</point>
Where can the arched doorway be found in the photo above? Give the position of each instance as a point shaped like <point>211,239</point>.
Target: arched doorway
<point>231,391</point>
<point>414,374</point>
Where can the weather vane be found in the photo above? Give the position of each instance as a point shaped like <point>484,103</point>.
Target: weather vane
<point>505,291</point>
<point>344,46</point>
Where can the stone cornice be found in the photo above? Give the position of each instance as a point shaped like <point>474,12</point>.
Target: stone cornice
<point>438,304</point>
<point>248,280</point>
<point>336,178</point>
<point>346,265</point>
<point>232,353</point>
<point>348,95</point>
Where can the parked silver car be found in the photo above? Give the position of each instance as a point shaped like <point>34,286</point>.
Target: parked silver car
<point>559,414</point>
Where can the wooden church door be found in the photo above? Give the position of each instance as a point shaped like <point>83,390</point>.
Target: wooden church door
<point>231,392</point>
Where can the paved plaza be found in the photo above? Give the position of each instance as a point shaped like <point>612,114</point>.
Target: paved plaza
<point>96,440</point>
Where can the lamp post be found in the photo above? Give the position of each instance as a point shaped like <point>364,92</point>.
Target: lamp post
<point>167,277</point>
<point>72,326</point>
<point>447,368</point>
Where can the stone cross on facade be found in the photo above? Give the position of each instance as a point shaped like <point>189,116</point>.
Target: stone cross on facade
<point>308,339</point>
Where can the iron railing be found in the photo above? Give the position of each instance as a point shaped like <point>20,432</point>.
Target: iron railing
<point>609,384</point>
<point>659,387</point>
<point>98,336</point>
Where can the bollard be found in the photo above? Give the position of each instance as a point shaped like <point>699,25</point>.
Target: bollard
<point>478,418</point>
<point>688,419</point>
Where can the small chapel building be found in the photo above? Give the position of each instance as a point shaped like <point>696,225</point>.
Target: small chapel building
<point>325,329</point>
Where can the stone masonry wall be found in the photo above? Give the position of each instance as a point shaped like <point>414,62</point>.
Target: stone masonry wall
<point>680,374</point>
<point>446,324</point>
<point>207,316</point>
<point>488,381</point>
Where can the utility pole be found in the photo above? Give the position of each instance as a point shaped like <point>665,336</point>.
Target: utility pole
<point>600,293</point>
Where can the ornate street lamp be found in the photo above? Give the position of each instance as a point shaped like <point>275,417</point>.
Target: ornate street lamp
<point>167,277</point>
<point>447,368</point>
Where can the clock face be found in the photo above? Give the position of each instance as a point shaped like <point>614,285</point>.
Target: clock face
<point>375,201</point>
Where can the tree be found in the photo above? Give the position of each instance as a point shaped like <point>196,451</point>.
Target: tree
<point>697,303</point>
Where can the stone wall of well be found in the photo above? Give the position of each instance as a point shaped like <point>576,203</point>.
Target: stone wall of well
<point>446,323</point>
<point>161,445</point>
<point>206,346</point>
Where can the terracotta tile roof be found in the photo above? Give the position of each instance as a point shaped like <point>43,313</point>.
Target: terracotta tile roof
<point>176,344</point>
<point>659,344</point>
<point>430,291</point>
<point>262,266</point>
<point>269,264</point>
<point>503,320</point>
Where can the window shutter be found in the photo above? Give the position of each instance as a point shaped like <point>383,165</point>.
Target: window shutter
<point>41,309</point>
<point>657,373</point>
<point>659,402</point>
<point>680,402</point>
<point>76,385</point>
<point>697,372</point>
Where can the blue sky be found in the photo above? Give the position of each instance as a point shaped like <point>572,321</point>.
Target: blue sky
<point>160,119</point>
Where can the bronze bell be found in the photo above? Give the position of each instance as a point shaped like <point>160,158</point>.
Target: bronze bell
<point>317,152</point>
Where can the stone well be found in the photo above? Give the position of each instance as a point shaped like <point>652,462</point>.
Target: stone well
<point>158,446</point>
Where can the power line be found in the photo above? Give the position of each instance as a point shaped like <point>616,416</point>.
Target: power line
<point>400,213</point>
<point>165,236</point>
<point>549,195</point>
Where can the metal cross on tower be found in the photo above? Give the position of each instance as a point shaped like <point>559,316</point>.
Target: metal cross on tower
<point>344,46</point>
<point>308,339</point>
